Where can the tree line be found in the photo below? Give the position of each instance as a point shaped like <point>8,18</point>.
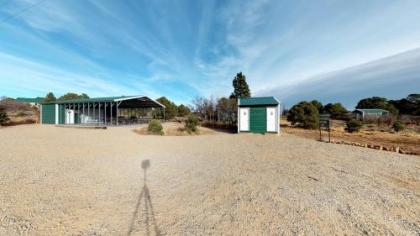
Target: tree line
<point>405,106</point>
<point>50,97</point>
<point>306,114</point>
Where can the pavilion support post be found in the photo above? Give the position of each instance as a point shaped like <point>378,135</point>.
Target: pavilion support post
<point>78,114</point>
<point>105,113</point>
<point>88,113</point>
<point>110,108</point>
<point>117,111</point>
<point>83,107</point>
<point>99,112</point>
<point>74,113</point>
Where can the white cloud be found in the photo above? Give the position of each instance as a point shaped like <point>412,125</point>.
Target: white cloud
<point>392,77</point>
<point>19,73</point>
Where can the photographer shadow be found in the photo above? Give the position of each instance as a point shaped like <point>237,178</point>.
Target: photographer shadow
<point>147,217</point>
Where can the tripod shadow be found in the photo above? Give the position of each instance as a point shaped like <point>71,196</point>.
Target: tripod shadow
<point>148,214</point>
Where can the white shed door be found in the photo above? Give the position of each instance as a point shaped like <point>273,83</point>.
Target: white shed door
<point>244,119</point>
<point>271,119</point>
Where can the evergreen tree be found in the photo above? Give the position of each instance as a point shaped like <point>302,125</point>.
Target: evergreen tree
<point>171,110</point>
<point>318,105</point>
<point>240,87</point>
<point>336,110</point>
<point>305,115</point>
<point>69,96</point>
<point>183,110</point>
<point>50,97</point>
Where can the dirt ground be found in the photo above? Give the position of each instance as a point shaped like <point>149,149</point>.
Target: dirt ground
<point>64,181</point>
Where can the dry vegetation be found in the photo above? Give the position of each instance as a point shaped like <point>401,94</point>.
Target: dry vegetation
<point>56,181</point>
<point>175,129</point>
<point>408,140</point>
<point>19,113</point>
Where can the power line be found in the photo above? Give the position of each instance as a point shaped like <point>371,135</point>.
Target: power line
<point>16,14</point>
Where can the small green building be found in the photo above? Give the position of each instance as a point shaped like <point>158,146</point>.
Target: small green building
<point>363,114</point>
<point>120,110</point>
<point>258,115</point>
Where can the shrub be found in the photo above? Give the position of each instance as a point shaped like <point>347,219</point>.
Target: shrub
<point>183,110</point>
<point>398,126</point>
<point>191,123</point>
<point>11,105</point>
<point>21,114</point>
<point>336,110</point>
<point>353,126</point>
<point>305,115</point>
<point>3,116</point>
<point>155,127</point>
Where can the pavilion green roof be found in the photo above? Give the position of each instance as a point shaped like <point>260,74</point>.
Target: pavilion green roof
<point>28,100</point>
<point>86,100</point>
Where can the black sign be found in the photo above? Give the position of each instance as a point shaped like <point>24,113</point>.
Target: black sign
<point>325,122</point>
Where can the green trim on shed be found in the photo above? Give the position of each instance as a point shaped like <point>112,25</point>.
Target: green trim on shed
<point>258,119</point>
<point>48,114</point>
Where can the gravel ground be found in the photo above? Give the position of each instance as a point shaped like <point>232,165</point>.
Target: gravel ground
<point>63,181</point>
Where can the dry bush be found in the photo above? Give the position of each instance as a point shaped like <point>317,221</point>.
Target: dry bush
<point>20,122</point>
<point>380,122</point>
<point>410,120</point>
<point>353,126</point>
<point>219,125</point>
<point>386,121</point>
<point>11,105</point>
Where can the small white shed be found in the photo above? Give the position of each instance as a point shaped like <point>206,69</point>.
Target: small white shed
<point>259,115</point>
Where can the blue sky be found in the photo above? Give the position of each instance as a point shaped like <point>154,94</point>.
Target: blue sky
<point>326,50</point>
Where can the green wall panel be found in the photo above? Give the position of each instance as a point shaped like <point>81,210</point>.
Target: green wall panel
<point>258,120</point>
<point>48,114</point>
<point>61,114</point>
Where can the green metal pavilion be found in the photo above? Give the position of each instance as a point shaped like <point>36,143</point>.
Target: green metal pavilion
<point>106,111</point>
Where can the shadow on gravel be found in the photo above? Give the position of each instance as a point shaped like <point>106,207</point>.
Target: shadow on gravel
<point>148,214</point>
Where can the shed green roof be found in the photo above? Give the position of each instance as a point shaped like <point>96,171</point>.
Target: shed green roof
<point>258,101</point>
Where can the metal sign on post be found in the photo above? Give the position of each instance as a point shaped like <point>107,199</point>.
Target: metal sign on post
<point>325,123</point>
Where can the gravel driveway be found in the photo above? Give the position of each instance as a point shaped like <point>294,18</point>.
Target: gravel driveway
<point>63,181</point>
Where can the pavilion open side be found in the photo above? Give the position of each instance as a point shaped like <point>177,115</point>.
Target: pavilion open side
<point>122,110</point>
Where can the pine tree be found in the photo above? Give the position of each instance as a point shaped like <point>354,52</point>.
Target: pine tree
<point>240,87</point>
<point>50,97</point>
